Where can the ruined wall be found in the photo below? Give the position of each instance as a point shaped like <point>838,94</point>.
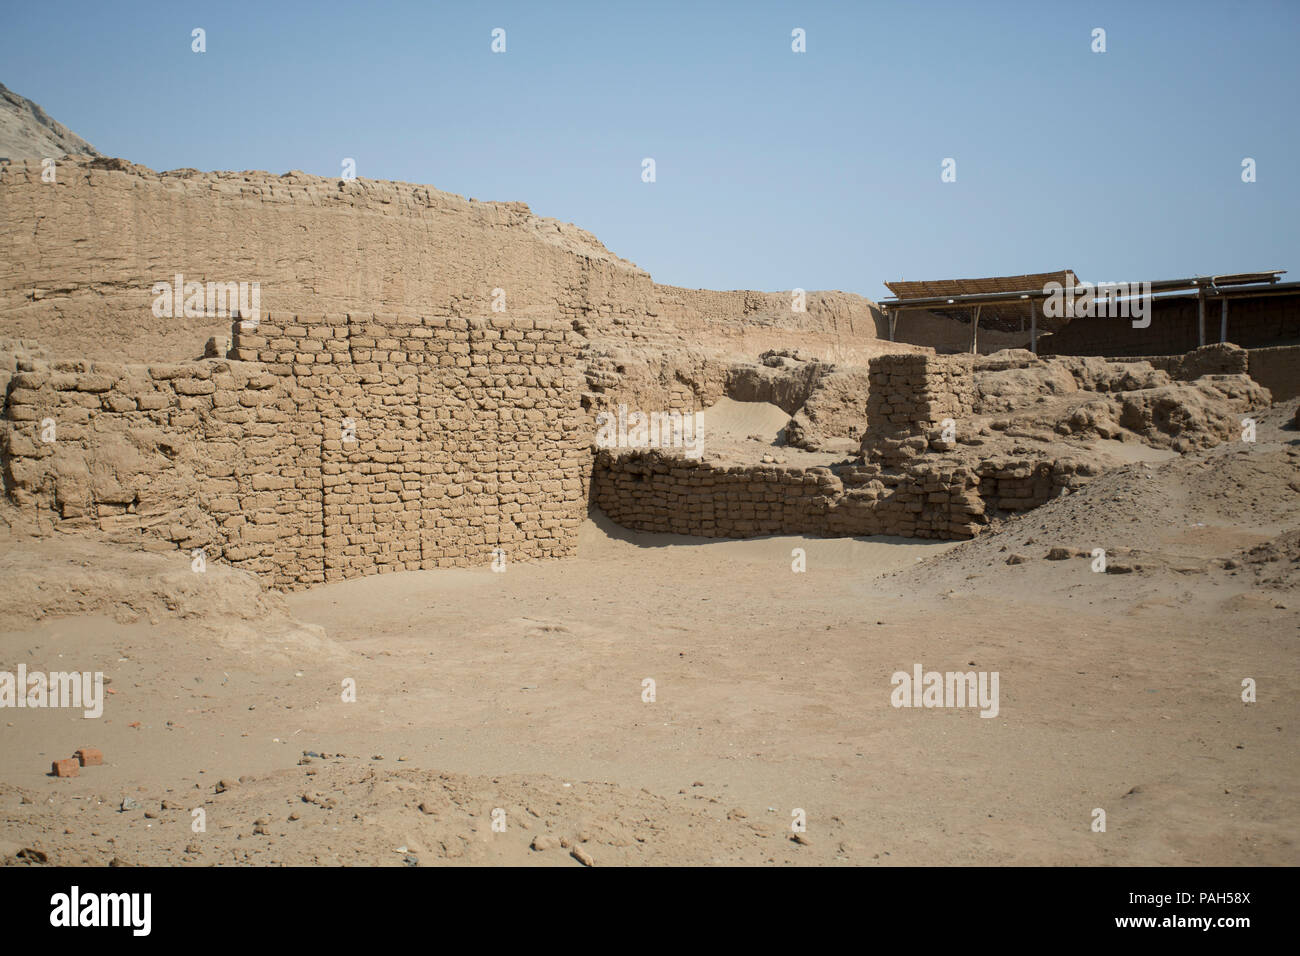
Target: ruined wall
<point>944,499</point>
<point>332,446</point>
<point>1217,359</point>
<point>81,255</point>
<point>910,482</point>
<point>1277,369</point>
<point>910,395</point>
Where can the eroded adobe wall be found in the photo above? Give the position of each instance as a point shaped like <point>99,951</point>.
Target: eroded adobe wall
<point>909,398</point>
<point>1278,370</point>
<point>331,446</point>
<point>943,499</point>
<point>83,252</point>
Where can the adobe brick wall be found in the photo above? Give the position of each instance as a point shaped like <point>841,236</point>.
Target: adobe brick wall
<point>943,499</point>
<point>1210,360</point>
<point>468,437</point>
<point>1277,369</point>
<point>893,491</point>
<point>324,244</point>
<point>909,397</point>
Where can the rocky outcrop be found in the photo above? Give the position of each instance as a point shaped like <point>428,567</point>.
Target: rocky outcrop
<point>28,132</point>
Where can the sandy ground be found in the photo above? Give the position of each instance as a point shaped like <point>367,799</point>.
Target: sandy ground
<point>523,692</point>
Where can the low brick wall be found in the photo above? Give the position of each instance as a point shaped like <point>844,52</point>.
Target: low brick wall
<point>945,499</point>
<point>1278,370</point>
<point>335,446</point>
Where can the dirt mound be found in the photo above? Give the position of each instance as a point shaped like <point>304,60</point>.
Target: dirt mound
<point>1277,562</point>
<point>1178,415</point>
<point>53,577</point>
<point>335,810</point>
<point>1148,508</point>
<point>1004,390</point>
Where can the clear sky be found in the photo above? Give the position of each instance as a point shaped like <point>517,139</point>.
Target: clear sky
<point>775,169</point>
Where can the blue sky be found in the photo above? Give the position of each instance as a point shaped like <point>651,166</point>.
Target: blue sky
<point>775,170</point>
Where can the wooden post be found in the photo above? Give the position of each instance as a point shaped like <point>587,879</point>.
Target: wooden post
<point>1200,316</point>
<point>1033,327</point>
<point>1223,320</point>
<point>975,331</point>
<point>893,320</point>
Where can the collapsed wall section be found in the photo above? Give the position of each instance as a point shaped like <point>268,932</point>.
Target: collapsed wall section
<point>330,446</point>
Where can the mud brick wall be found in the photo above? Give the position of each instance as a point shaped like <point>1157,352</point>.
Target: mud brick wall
<point>652,491</point>
<point>1278,370</point>
<point>322,244</point>
<point>177,455</point>
<point>478,415</point>
<point>941,497</point>
<point>331,446</point>
<point>909,397</point>
<point>1209,360</point>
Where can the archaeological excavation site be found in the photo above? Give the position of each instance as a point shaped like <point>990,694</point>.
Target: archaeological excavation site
<point>392,414</point>
<point>351,522</point>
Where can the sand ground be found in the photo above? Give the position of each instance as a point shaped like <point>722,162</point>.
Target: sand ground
<point>522,692</point>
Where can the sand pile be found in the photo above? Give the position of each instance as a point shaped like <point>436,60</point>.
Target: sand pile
<point>1276,563</point>
<point>81,576</point>
<point>1185,512</point>
<point>365,810</point>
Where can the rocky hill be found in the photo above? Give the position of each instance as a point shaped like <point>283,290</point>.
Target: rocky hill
<point>28,132</point>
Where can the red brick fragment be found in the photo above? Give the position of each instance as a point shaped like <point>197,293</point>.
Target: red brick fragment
<point>90,756</point>
<point>66,768</point>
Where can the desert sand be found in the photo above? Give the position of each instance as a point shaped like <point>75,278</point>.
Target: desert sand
<point>522,692</point>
